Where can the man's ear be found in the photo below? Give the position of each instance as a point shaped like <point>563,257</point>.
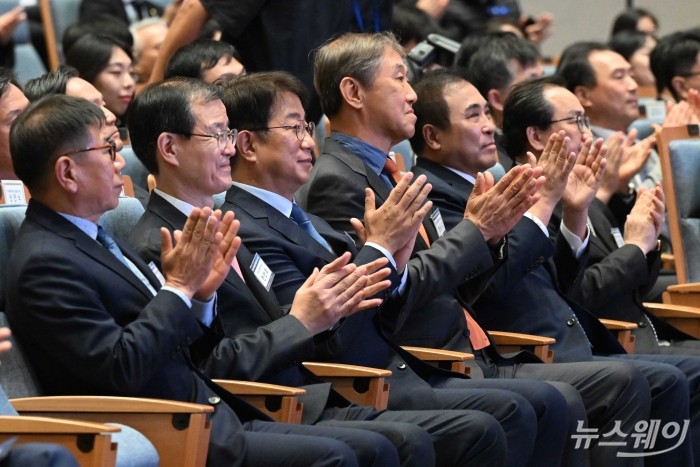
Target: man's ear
<point>246,145</point>
<point>495,99</point>
<point>352,92</point>
<point>66,173</point>
<point>168,147</point>
<point>583,95</point>
<point>431,136</point>
<point>534,138</point>
<point>679,87</point>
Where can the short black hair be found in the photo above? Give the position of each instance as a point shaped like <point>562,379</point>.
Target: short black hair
<point>194,59</point>
<point>674,55</point>
<point>626,43</point>
<point>431,107</point>
<point>575,67</point>
<point>91,53</point>
<point>526,107</point>
<point>49,127</point>
<point>628,19</point>
<point>6,79</point>
<point>251,99</point>
<point>164,107</point>
<point>53,82</point>
<point>410,23</point>
<point>104,25</point>
<point>489,67</point>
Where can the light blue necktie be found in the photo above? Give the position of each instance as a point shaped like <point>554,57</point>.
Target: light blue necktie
<point>108,242</point>
<point>302,220</point>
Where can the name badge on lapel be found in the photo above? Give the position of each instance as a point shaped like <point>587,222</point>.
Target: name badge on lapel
<point>617,235</point>
<point>436,217</point>
<point>263,273</point>
<point>156,272</point>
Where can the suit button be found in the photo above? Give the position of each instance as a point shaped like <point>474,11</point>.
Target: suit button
<point>213,400</point>
<point>570,322</point>
<point>188,341</point>
<point>642,324</point>
<point>401,366</point>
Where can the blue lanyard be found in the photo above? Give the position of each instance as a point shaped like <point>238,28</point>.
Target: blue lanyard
<point>358,15</point>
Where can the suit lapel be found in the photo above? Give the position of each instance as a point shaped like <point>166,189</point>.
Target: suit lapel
<point>55,222</point>
<point>286,227</point>
<point>266,299</point>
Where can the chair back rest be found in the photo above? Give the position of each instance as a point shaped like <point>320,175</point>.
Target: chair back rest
<point>17,377</point>
<point>645,127</point>
<point>56,16</point>
<point>679,151</point>
<point>119,222</point>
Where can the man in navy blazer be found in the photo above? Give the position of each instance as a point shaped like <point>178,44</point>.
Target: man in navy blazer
<point>455,140</point>
<point>94,318</point>
<point>272,341</point>
<point>268,168</point>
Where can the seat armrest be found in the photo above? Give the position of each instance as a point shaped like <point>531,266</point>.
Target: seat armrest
<point>281,403</point>
<point>684,318</point>
<point>442,358</point>
<point>360,385</point>
<point>683,294</point>
<point>514,341</point>
<point>178,430</point>
<point>668,261</point>
<point>90,443</point>
<point>623,330</point>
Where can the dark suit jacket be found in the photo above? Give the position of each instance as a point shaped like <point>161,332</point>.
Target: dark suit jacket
<point>264,342</point>
<point>440,278</point>
<point>616,278</point>
<point>90,326</point>
<point>361,339</point>
<point>526,293</point>
<point>89,9</point>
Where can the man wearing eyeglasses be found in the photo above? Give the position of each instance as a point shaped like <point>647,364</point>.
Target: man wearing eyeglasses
<point>95,319</point>
<point>545,299</point>
<point>269,340</point>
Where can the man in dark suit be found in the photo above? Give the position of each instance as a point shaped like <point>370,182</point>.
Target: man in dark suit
<point>534,111</point>
<point>272,341</point>
<point>267,171</point>
<point>94,318</point>
<point>356,115</point>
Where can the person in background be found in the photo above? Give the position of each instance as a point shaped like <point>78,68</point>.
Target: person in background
<point>106,63</point>
<point>148,35</point>
<point>635,19</point>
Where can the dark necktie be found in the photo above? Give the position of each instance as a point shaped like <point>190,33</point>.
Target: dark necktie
<point>108,242</point>
<point>302,220</point>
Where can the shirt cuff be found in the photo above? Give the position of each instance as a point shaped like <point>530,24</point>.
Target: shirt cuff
<point>539,223</point>
<point>203,311</point>
<point>383,251</point>
<point>575,243</point>
<point>179,293</point>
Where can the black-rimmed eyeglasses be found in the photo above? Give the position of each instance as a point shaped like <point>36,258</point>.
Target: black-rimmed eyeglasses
<point>300,129</point>
<point>111,145</point>
<point>582,122</point>
<point>221,137</point>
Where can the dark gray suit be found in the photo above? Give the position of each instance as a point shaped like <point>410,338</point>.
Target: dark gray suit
<point>293,254</point>
<point>90,326</point>
<point>270,344</point>
<point>614,282</point>
<point>527,297</point>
